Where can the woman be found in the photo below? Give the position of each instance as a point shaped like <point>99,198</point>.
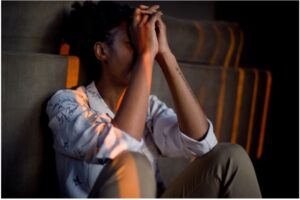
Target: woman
<point>108,134</point>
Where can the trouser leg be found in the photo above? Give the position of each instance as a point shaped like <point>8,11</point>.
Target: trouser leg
<point>226,171</point>
<point>129,175</point>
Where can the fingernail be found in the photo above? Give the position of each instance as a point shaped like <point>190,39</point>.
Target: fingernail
<point>144,6</point>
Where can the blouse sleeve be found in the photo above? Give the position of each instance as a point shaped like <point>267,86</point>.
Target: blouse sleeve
<point>169,139</point>
<point>81,133</point>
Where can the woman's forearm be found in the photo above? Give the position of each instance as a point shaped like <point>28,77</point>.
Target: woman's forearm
<point>131,115</point>
<point>191,118</point>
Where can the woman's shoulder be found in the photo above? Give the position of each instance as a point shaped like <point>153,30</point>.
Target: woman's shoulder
<point>79,91</point>
<point>76,94</point>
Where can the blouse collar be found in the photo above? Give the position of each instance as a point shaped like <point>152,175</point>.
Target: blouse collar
<point>96,101</point>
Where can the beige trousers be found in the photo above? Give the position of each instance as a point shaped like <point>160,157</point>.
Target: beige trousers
<point>226,171</point>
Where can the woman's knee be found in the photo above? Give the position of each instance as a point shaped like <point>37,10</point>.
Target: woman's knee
<point>128,175</point>
<point>224,152</point>
<point>239,166</point>
<point>230,151</point>
<point>229,162</point>
<point>132,159</point>
<point>134,163</point>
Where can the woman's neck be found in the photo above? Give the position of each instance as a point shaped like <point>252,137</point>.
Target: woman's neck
<point>111,93</point>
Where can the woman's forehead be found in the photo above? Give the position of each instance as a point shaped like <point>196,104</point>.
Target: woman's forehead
<point>121,30</point>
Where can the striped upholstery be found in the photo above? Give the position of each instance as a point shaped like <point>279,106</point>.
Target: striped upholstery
<point>256,141</point>
<point>234,99</point>
<point>206,42</point>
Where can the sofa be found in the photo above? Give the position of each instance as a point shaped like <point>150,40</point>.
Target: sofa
<point>33,68</point>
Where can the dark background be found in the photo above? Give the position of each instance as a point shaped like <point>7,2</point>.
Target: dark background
<point>272,42</point>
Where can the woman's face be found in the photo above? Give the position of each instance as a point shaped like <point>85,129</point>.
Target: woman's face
<point>120,55</point>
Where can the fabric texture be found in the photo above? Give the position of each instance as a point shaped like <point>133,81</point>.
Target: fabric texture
<point>224,172</point>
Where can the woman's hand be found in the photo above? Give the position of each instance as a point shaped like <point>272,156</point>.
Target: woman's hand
<point>163,46</point>
<point>131,115</point>
<point>162,36</point>
<point>142,32</point>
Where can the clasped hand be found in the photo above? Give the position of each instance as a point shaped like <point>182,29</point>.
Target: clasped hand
<point>148,31</point>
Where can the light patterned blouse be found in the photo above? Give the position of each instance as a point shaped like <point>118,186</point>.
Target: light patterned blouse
<point>84,137</point>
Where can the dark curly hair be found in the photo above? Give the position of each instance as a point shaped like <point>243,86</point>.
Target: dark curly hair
<point>90,22</point>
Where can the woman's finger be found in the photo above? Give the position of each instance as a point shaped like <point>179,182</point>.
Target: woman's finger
<point>144,19</point>
<point>159,23</point>
<point>142,14</point>
<point>136,17</point>
<point>143,7</point>
<point>149,12</point>
<point>153,9</point>
<point>154,17</point>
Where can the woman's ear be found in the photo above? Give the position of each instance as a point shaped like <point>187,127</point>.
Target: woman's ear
<point>100,50</point>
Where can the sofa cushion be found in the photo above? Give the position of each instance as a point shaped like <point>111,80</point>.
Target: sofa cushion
<point>28,80</point>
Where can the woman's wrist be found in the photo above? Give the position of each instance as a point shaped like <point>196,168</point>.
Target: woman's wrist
<point>147,58</point>
<point>163,56</point>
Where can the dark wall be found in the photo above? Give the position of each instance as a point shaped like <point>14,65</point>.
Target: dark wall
<point>197,10</point>
<point>272,42</point>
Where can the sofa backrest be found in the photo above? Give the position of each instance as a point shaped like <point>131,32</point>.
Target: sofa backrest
<point>34,26</point>
<point>214,43</point>
<point>234,99</point>
<point>28,80</point>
